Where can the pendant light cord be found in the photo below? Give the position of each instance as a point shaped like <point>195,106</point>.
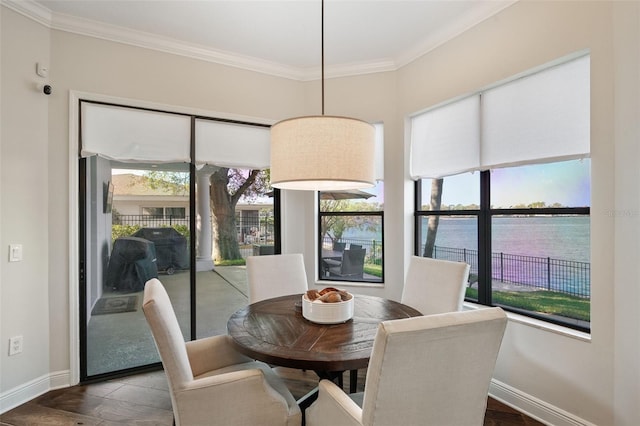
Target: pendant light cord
<point>322,53</point>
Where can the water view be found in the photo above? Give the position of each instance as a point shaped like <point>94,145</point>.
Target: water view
<point>558,237</point>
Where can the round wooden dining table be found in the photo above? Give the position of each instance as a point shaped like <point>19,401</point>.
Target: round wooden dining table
<point>274,331</point>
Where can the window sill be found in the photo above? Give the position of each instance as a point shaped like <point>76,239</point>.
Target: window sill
<point>539,324</point>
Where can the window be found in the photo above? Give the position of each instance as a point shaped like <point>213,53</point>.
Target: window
<point>516,205</point>
<point>351,229</point>
<point>177,212</point>
<point>447,221</point>
<point>153,211</point>
<point>350,240</point>
<point>536,236</point>
<point>165,212</point>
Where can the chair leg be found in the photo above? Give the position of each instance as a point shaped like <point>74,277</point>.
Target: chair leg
<point>353,381</point>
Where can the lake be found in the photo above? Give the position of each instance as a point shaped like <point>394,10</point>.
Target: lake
<point>557,237</point>
<point>564,240</point>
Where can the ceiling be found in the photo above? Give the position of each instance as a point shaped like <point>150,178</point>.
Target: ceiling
<point>273,36</point>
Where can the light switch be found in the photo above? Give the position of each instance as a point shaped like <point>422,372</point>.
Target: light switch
<point>42,70</point>
<point>15,252</point>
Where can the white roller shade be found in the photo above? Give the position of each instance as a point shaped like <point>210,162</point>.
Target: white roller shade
<point>134,135</point>
<point>539,118</point>
<point>232,145</point>
<point>446,140</point>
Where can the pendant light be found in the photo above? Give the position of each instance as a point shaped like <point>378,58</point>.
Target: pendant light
<point>322,152</point>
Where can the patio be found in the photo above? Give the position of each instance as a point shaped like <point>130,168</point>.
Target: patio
<point>123,340</point>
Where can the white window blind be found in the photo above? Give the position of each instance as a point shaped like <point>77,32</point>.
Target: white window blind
<point>446,140</point>
<point>539,118</point>
<point>232,145</point>
<point>134,135</point>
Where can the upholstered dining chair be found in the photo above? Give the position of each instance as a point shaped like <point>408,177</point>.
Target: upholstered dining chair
<point>443,386</point>
<point>209,382</point>
<point>435,286</point>
<point>275,275</point>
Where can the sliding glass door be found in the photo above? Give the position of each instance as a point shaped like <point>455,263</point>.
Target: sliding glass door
<point>137,228</point>
<point>164,195</point>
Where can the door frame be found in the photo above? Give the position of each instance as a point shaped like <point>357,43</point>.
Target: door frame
<point>74,200</point>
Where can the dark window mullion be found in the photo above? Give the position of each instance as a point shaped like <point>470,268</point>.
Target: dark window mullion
<point>417,217</point>
<point>192,228</point>
<point>484,240</point>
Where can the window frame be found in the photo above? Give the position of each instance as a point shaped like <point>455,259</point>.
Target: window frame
<point>484,220</point>
<point>321,214</point>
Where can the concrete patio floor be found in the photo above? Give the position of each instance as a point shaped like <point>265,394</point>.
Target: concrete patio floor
<point>123,340</point>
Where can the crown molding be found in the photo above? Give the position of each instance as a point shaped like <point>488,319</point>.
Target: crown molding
<point>31,10</point>
<point>151,41</point>
<point>348,70</point>
<point>466,22</point>
<point>86,27</point>
<point>100,30</point>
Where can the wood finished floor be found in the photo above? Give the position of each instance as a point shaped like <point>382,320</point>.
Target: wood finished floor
<point>143,400</point>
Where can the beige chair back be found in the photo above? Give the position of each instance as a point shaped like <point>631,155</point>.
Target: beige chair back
<point>275,275</point>
<point>433,370</point>
<point>167,335</point>
<point>435,286</point>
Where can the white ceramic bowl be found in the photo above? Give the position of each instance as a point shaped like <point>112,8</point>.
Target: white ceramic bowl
<point>327,313</point>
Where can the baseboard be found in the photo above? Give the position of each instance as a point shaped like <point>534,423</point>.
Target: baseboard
<point>534,407</point>
<point>527,404</point>
<point>33,389</point>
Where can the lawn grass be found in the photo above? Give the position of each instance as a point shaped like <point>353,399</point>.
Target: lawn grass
<point>372,269</point>
<point>548,302</point>
<point>232,262</point>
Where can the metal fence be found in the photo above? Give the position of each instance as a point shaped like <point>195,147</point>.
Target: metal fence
<point>150,221</point>
<point>565,276</point>
<point>255,234</point>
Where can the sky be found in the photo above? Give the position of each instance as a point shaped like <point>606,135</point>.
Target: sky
<point>567,183</point>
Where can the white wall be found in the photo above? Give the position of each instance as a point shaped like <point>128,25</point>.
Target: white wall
<point>24,212</point>
<point>626,48</point>
<point>97,66</point>
<point>564,379</point>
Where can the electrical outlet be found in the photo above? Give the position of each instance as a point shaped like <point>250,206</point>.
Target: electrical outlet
<point>15,345</point>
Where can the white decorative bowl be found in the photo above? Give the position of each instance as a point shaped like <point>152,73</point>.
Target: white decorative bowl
<point>327,313</point>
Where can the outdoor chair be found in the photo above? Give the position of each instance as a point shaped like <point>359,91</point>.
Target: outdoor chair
<point>435,286</point>
<point>275,275</point>
<point>420,373</point>
<point>355,246</point>
<point>351,266</point>
<point>333,262</point>
<point>209,381</point>
<point>337,246</point>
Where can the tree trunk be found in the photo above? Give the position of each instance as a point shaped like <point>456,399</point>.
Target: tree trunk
<point>434,220</point>
<point>223,207</point>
